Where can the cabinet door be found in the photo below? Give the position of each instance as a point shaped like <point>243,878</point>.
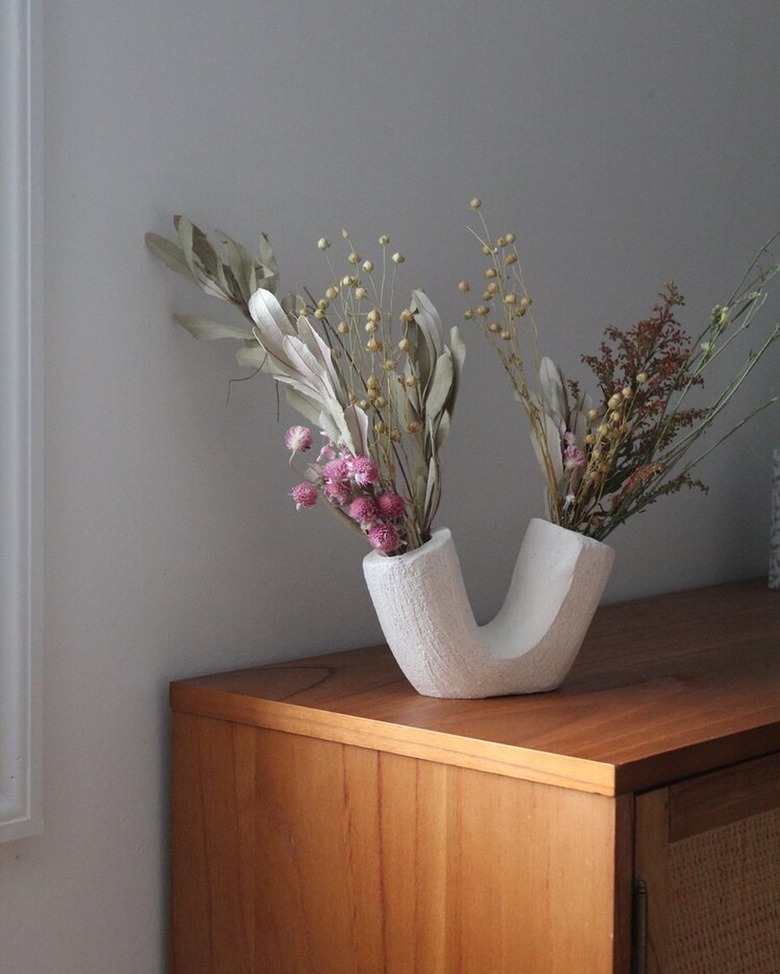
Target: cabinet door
<point>709,850</point>
<point>293,855</point>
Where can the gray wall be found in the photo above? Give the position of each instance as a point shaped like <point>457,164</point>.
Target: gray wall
<point>624,142</point>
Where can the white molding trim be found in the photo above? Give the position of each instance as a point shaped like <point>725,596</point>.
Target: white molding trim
<point>21,426</point>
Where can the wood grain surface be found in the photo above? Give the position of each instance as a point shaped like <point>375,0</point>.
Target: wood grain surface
<point>663,687</point>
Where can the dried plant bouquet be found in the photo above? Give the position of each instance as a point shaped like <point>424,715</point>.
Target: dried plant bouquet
<point>606,456</point>
<point>379,385</point>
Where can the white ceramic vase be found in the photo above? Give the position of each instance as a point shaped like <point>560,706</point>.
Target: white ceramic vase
<point>529,647</point>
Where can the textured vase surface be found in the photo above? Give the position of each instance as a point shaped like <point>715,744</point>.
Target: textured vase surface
<point>424,611</point>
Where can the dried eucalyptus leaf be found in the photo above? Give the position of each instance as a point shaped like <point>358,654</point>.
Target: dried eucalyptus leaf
<point>253,357</point>
<point>171,255</point>
<point>212,264</point>
<point>208,329</point>
<point>242,265</point>
<point>419,360</point>
<point>553,388</point>
<point>458,349</point>
<point>267,257</point>
<point>440,387</point>
<point>309,408</point>
<point>185,229</point>
<point>441,430</point>
<point>427,318</point>
<point>432,491</point>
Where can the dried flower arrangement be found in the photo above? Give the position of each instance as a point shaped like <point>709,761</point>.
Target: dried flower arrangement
<point>380,385</point>
<point>606,457</point>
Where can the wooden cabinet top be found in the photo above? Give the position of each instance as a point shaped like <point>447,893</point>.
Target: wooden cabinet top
<point>664,687</point>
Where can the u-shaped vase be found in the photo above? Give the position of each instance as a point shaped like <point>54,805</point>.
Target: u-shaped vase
<point>529,647</point>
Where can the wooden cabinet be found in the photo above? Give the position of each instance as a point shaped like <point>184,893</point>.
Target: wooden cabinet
<point>329,820</point>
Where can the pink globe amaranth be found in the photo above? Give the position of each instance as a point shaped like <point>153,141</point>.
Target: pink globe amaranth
<point>337,492</point>
<point>390,505</point>
<point>384,537</point>
<point>298,439</point>
<point>363,470</point>
<point>336,470</point>
<point>363,510</point>
<point>304,495</point>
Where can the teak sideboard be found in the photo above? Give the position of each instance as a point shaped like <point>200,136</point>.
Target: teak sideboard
<point>329,820</point>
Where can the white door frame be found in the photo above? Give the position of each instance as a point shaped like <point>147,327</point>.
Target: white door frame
<point>21,397</point>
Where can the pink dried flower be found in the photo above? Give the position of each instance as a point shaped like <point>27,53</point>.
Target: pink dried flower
<point>390,505</point>
<point>363,509</point>
<point>304,495</point>
<point>336,470</point>
<point>298,439</point>
<point>337,492</point>
<point>574,458</point>
<point>327,453</point>
<point>384,537</point>
<point>364,471</point>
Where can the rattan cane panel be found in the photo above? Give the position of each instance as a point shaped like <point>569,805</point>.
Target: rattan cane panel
<point>724,913</point>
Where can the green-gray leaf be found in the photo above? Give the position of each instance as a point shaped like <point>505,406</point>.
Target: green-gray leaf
<point>208,329</point>
<point>441,385</point>
<point>171,255</point>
